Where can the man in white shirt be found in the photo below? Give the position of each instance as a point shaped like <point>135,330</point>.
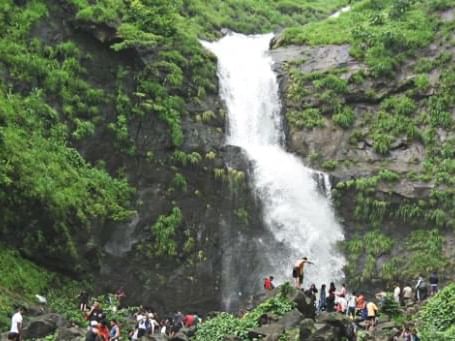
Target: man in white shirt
<point>15,333</point>
<point>396,293</point>
<point>351,305</point>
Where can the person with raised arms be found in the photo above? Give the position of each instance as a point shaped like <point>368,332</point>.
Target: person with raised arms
<point>298,271</point>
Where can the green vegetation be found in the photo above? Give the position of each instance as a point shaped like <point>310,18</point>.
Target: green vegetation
<point>309,118</point>
<point>225,324</point>
<point>436,320</point>
<point>366,248</point>
<point>345,117</point>
<point>164,232</point>
<point>21,280</point>
<point>382,33</point>
<point>55,187</point>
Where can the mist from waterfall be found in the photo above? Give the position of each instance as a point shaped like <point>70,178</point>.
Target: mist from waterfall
<point>297,213</point>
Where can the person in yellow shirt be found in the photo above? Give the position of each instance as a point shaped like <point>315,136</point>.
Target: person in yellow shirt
<point>372,310</point>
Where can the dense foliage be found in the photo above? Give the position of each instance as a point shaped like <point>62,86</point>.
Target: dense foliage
<point>53,102</point>
<point>382,33</point>
<point>437,317</point>
<point>21,280</point>
<point>224,324</point>
<point>398,96</point>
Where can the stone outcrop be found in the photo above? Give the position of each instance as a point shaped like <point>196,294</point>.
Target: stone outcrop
<point>216,202</point>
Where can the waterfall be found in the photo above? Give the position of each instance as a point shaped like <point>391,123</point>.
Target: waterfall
<point>297,213</point>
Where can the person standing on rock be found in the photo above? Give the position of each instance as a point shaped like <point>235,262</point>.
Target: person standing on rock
<point>83,300</point>
<point>15,333</point>
<point>322,299</point>
<point>407,295</point>
<point>298,271</point>
<point>268,283</point>
<point>434,281</point>
<point>372,310</point>
<point>115,331</point>
<point>421,289</point>
<point>396,293</point>
<point>352,301</point>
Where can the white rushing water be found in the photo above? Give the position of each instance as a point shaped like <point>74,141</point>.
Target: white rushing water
<point>296,212</point>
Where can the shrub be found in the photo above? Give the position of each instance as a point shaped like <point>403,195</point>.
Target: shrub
<point>164,231</point>
<point>399,105</point>
<point>309,118</point>
<point>344,117</point>
<point>225,324</point>
<point>436,320</point>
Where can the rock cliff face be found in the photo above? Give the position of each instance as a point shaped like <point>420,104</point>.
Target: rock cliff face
<point>335,108</point>
<point>204,182</point>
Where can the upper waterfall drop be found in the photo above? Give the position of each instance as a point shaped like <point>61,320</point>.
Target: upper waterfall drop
<point>296,212</point>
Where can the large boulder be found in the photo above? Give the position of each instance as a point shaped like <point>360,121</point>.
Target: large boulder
<point>44,325</point>
<point>188,331</point>
<point>179,337</point>
<point>304,303</point>
<point>70,334</point>
<point>333,327</point>
<point>291,319</point>
<point>267,332</point>
<point>306,328</point>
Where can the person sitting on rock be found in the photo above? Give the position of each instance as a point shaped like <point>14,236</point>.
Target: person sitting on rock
<point>298,271</point>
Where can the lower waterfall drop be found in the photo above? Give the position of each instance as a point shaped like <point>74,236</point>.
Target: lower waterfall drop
<point>297,213</point>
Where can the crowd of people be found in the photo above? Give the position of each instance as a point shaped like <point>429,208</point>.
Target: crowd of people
<point>143,322</point>
<point>356,305</point>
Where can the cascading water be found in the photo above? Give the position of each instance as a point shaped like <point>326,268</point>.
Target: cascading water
<point>297,214</point>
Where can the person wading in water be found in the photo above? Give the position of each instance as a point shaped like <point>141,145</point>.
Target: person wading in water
<point>297,271</point>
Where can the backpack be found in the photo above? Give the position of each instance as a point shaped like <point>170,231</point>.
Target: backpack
<point>267,284</point>
<point>423,285</point>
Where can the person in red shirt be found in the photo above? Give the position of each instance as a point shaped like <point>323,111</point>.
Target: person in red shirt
<point>189,320</point>
<point>268,283</point>
<point>103,331</point>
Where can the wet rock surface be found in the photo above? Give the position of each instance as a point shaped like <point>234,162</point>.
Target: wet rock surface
<point>217,185</point>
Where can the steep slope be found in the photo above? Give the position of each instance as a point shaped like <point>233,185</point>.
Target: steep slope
<point>113,163</point>
<point>369,98</point>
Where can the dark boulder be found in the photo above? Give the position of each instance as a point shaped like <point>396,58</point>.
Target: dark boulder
<point>291,319</point>
<point>70,334</point>
<point>306,328</point>
<point>268,332</point>
<point>41,326</point>
<point>333,327</point>
<point>304,303</point>
<point>179,337</point>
